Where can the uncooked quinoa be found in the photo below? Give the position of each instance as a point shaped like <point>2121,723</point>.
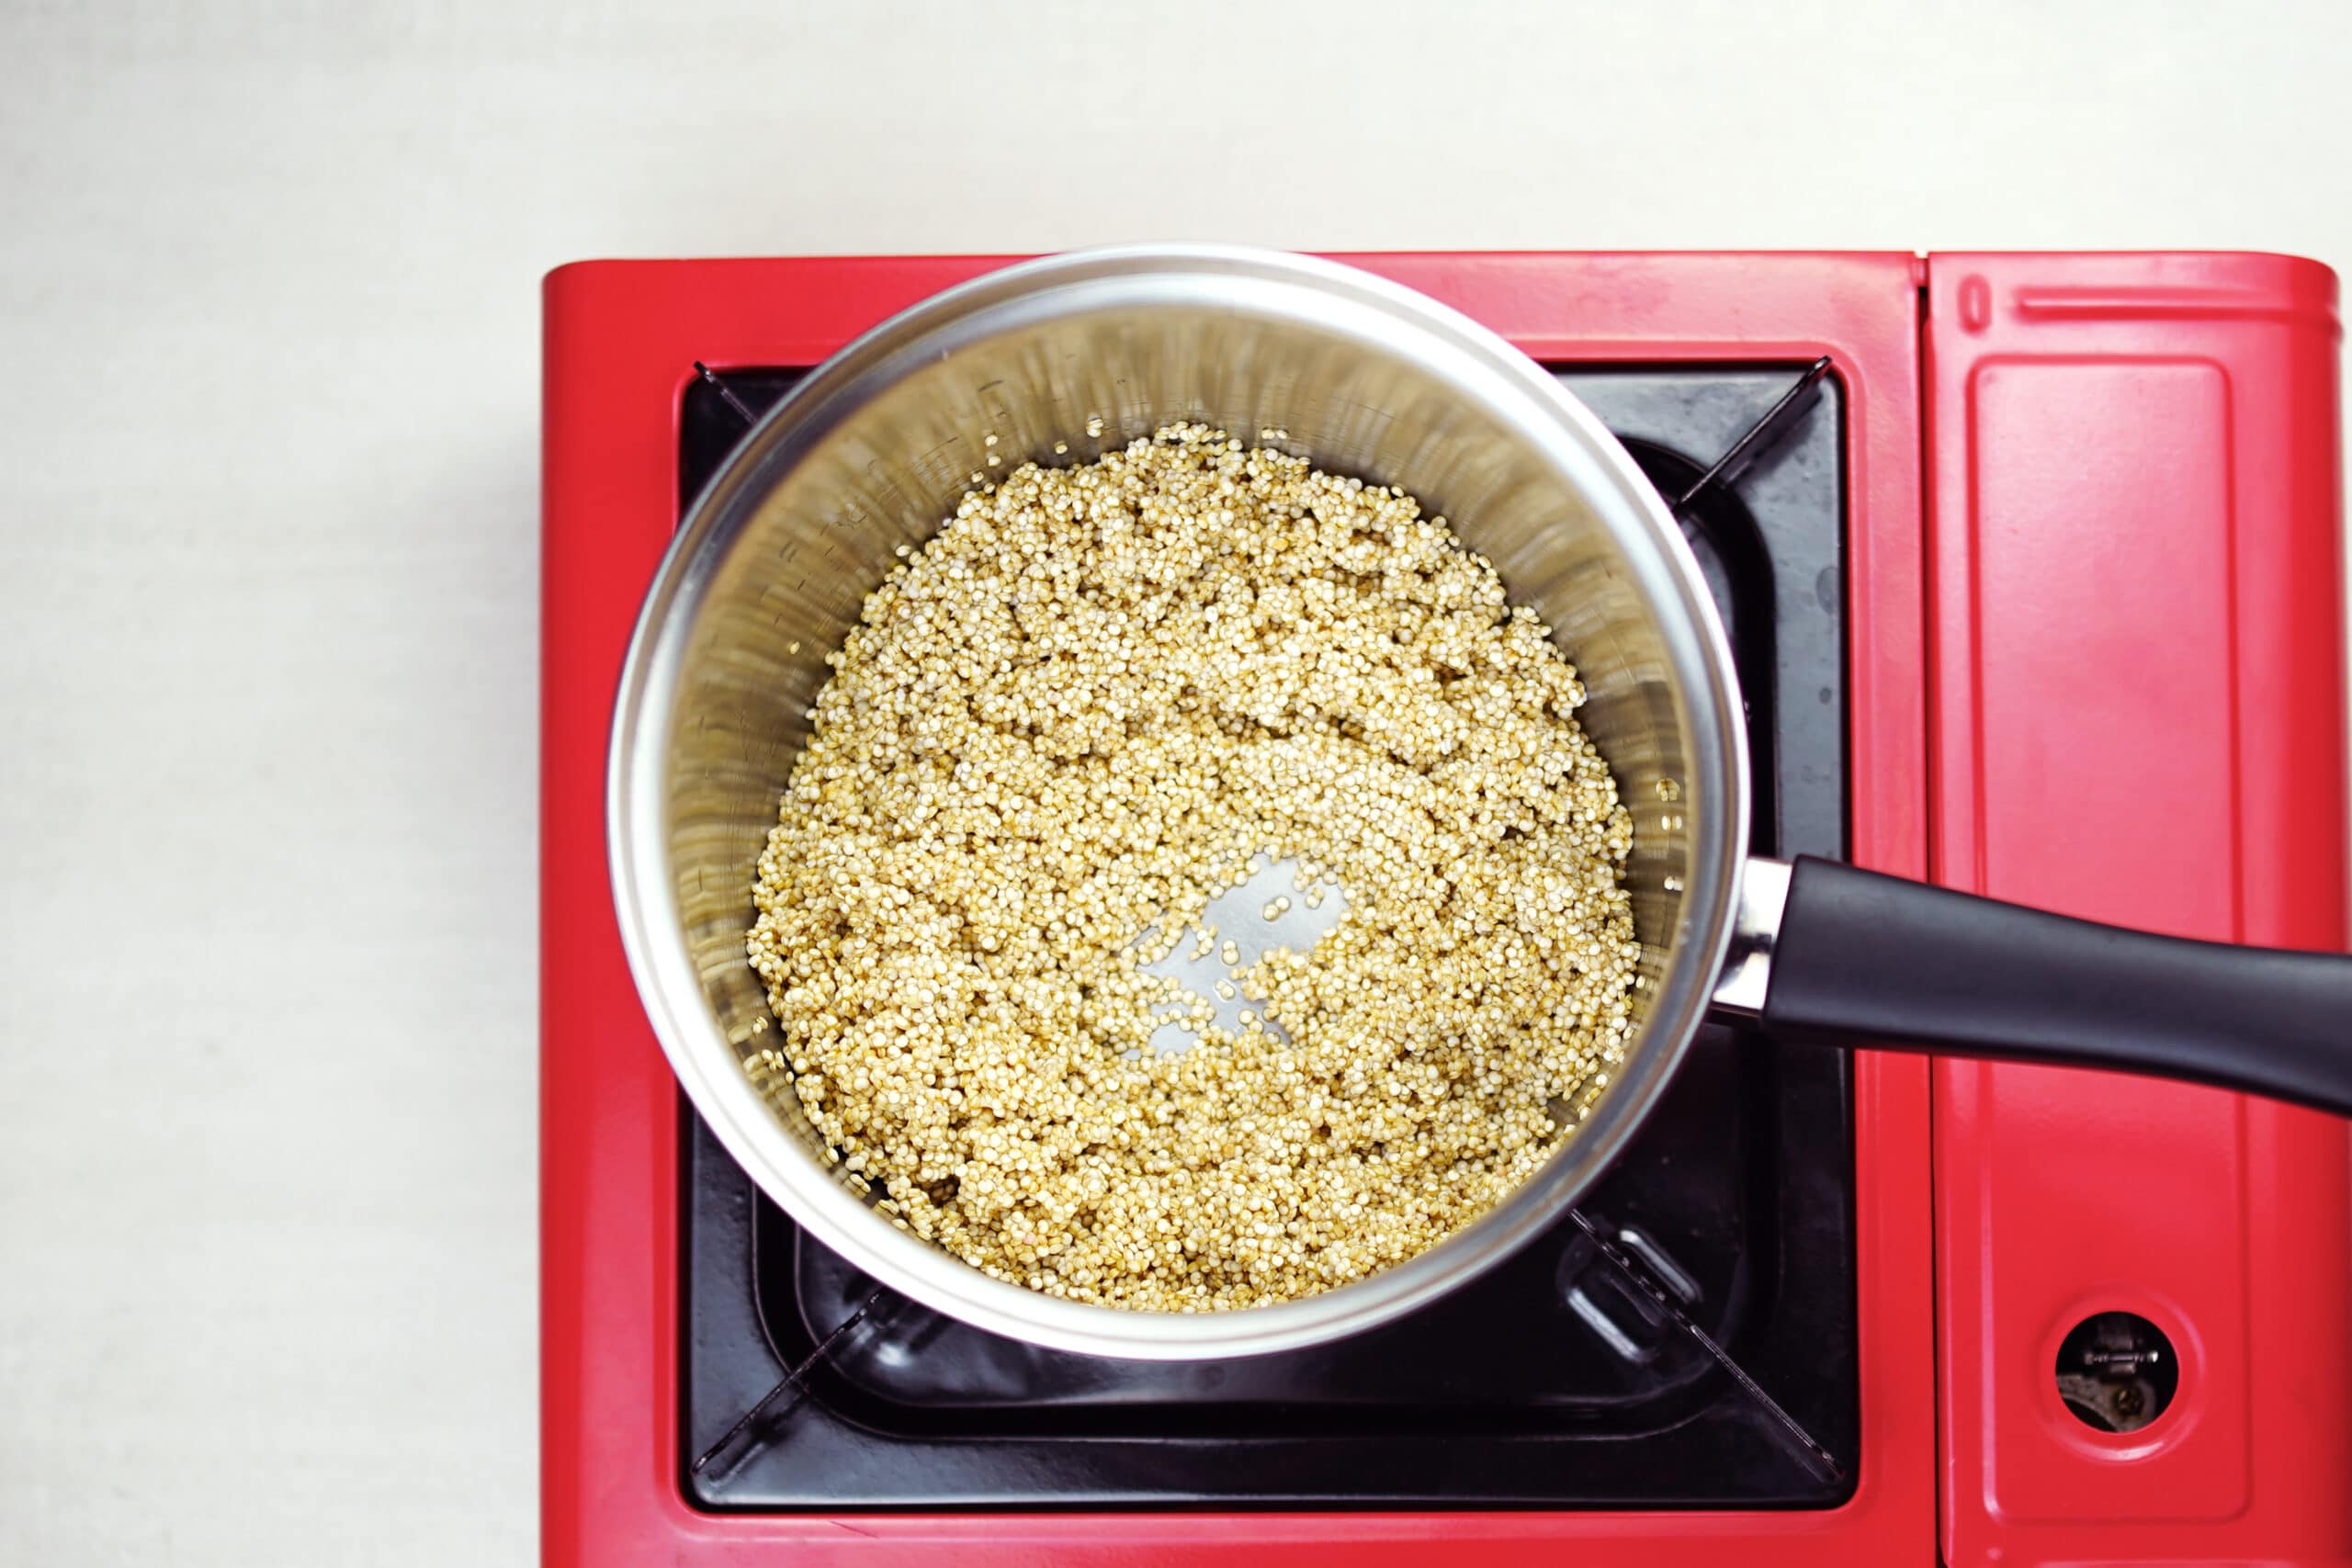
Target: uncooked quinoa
<point>1067,724</point>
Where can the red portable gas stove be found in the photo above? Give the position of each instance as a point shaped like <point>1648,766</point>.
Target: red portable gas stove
<point>2034,593</point>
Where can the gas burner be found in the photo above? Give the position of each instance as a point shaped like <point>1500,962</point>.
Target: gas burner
<point>1687,1338</point>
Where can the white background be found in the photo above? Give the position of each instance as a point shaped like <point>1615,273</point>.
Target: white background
<point>268,476</point>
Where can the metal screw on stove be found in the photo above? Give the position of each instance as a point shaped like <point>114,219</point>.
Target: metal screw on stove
<point>2116,1372</point>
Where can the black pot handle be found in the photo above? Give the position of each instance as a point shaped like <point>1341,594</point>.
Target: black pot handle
<point>1860,958</point>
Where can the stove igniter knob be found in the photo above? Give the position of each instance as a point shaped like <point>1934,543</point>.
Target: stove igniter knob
<point>2117,1371</point>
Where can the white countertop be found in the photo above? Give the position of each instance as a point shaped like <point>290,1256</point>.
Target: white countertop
<point>268,556</point>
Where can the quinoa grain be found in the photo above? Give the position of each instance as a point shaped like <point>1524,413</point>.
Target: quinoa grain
<point>1077,713</point>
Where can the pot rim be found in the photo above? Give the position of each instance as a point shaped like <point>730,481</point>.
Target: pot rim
<point>1512,387</point>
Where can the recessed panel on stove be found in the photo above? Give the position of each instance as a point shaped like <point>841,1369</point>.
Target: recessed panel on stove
<point>1559,1379</point>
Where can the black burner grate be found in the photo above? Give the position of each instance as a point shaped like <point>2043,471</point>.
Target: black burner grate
<point>1579,1373</point>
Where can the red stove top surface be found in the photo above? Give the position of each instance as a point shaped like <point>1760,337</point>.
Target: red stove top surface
<point>2094,620</point>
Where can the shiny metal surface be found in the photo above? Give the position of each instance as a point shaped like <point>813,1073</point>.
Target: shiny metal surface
<point>871,451</point>
<point>1248,917</point>
<point>1746,974</point>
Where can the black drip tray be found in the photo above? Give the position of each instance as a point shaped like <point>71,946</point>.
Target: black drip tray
<point>1554,1380</point>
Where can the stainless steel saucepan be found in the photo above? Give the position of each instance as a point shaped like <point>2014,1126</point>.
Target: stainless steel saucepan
<point>874,447</point>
